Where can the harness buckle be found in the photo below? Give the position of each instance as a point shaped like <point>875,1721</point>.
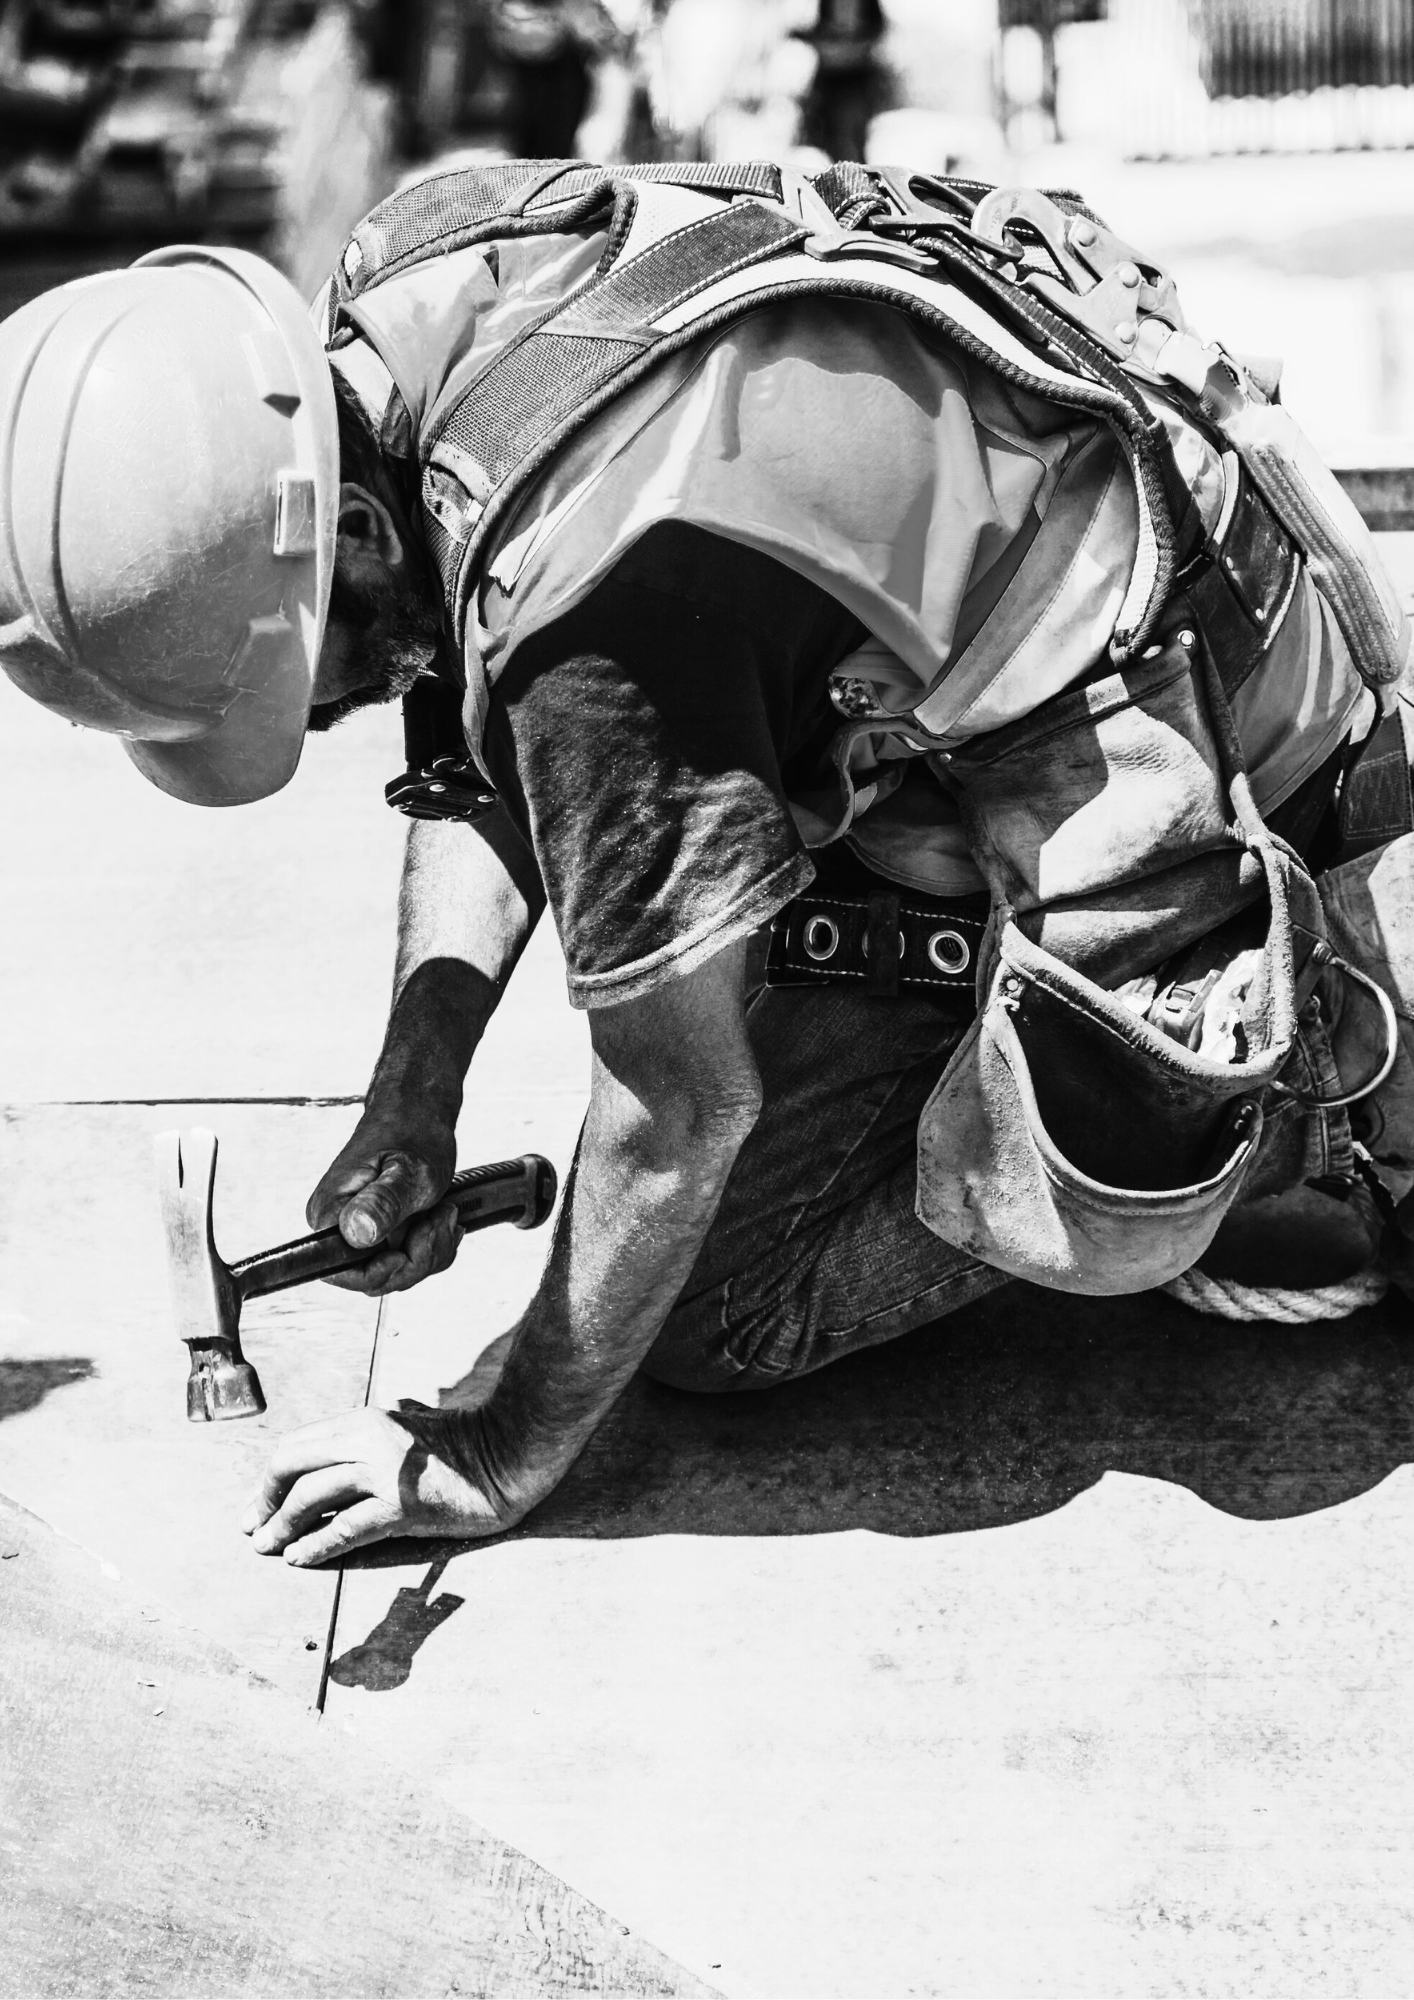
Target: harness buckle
<point>827,245</point>
<point>447,788</point>
<point>1105,287</point>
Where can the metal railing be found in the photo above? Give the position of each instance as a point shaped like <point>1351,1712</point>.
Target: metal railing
<point>1384,495</point>
<point>1189,78</point>
<point>1282,48</point>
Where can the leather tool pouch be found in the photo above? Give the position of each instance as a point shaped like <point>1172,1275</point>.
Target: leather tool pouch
<point>1070,1141</point>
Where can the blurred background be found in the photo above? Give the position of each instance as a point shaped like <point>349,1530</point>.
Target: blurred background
<point>1264,147</point>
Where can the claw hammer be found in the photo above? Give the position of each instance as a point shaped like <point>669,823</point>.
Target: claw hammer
<point>207,1292</point>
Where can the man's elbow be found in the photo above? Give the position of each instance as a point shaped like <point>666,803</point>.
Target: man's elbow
<point>697,1132</point>
<point>721,1123</point>
<point>707,1127</point>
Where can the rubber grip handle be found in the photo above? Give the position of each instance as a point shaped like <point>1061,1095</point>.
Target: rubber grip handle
<point>520,1191</point>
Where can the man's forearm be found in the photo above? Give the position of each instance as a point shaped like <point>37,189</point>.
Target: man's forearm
<point>629,1233</point>
<point>674,1093</point>
<point>666,1121</point>
<point>470,897</point>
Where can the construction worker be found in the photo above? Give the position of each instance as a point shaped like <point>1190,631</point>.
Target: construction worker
<point>875,560</point>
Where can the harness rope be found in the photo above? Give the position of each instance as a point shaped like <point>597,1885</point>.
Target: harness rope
<point>1224,1298</point>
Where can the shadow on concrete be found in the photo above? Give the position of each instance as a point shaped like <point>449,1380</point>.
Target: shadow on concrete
<point>24,1384</point>
<point>1002,1412</point>
<point>384,1659</point>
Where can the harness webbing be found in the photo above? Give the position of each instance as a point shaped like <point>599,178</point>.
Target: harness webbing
<point>541,387</point>
<point>465,205</point>
<point>479,456</point>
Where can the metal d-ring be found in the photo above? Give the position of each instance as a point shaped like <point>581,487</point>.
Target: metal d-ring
<point>1391,1019</point>
<point>950,952</point>
<point>821,938</point>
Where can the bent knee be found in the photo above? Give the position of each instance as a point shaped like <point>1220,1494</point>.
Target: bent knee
<point>696,1350</point>
<point>705,1368</point>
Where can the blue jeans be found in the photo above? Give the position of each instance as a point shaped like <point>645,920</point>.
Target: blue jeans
<point>815,1250</point>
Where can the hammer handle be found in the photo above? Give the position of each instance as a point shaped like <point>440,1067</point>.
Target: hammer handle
<point>520,1191</point>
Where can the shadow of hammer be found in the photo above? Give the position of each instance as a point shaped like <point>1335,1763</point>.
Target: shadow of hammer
<point>208,1293</point>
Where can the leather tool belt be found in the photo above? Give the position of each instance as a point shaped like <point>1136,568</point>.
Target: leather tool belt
<point>886,942</point>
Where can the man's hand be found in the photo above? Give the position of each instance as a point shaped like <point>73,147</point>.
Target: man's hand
<point>377,1473</point>
<point>673,1095</point>
<point>386,1186</point>
<point>470,898</point>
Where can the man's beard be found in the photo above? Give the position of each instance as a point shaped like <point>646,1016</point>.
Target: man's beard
<point>395,636</point>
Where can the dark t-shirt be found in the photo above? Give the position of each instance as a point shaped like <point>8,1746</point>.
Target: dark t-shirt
<point>646,742</point>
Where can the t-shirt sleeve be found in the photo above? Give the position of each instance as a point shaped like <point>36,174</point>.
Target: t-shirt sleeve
<point>639,742</point>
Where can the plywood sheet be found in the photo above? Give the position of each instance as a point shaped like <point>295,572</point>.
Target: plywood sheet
<point>887,1683</point>
<point>93,1429</point>
<point>172,1826</point>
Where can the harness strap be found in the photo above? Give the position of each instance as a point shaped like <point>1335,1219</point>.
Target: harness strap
<point>883,942</point>
<point>1167,493</point>
<point>1239,590</point>
<point>549,380</point>
<point>447,212</point>
<point>1376,805</point>
<point>761,177</point>
<point>479,455</point>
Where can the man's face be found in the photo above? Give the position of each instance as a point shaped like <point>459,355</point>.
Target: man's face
<point>383,627</point>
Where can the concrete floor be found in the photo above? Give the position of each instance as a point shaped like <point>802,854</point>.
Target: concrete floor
<point>173,1825</point>
<point>1061,1649</point>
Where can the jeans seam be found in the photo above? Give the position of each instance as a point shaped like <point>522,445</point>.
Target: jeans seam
<point>943,1286</point>
<point>861,1134</point>
<point>789,1234</point>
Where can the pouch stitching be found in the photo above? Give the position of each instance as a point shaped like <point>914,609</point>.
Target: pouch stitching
<point>1170,1054</point>
<point>1100,1196</point>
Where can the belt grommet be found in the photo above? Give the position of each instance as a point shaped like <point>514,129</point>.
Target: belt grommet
<point>821,938</point>
<point>950,952</point>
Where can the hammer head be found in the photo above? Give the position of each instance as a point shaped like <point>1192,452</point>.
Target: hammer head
<point>222,1382</point>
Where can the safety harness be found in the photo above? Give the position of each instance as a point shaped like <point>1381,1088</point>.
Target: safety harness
<point>906,240</point>
<point>1072,1138</point>
<point>1032,285</point>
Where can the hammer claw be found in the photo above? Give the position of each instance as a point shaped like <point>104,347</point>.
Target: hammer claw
<point>222,1382</point>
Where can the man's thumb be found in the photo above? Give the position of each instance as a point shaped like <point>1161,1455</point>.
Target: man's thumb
<point>377,1209</point>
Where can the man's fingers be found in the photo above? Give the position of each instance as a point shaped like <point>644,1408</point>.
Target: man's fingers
<point>373,1277</point>
<point>400,1188</point>
<point>429,1245</point>
<point>309,1449</point>
<point>344,1178</point>
<point>367,1521</point>
<point>312,1496</point>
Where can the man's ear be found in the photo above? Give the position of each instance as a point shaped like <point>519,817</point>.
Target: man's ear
<point>367,535</point>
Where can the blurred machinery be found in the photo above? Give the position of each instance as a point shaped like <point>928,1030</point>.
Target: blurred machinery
<point>851,85</point>
<point>512,75</point>
<point>141,118</point>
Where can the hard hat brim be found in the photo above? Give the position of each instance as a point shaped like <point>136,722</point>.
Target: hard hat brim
<point>254,749</point>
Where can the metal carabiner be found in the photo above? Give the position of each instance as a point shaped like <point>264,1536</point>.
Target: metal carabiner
<point>1325,956</point>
